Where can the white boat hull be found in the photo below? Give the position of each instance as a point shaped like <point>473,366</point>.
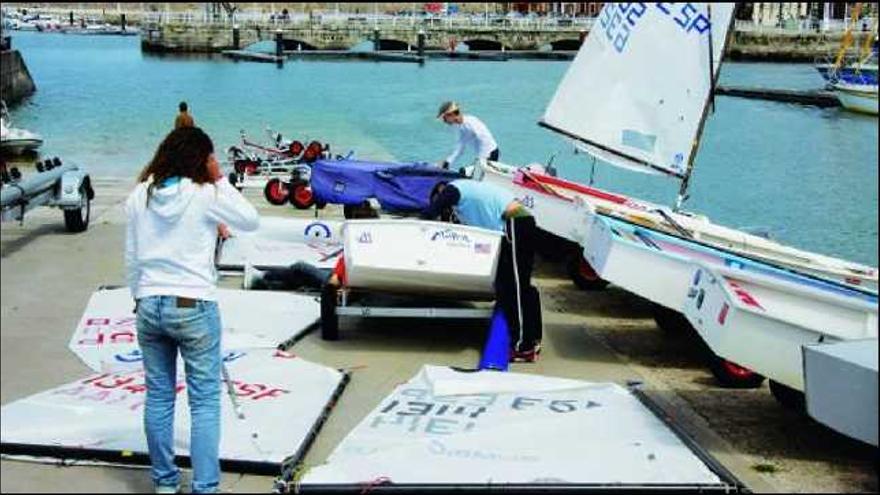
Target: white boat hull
<point>857,98</point>
<point>417,257</point>
<point>565,218</point>
<point>762,323</point>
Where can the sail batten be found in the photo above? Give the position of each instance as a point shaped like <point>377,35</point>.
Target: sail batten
<point>636,91</point>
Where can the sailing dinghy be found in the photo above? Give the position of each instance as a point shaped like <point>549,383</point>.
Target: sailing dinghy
<point>607,107</point>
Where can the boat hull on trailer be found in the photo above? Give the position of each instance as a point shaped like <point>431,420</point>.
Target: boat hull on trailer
<point>419,257</point>
<point>19,146</point>
<point>763,322</point>
<point>860,98</point>
<point>557,205</point>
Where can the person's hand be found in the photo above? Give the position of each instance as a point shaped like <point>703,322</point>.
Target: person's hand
<point>223,231</point>
<point>214,168</point>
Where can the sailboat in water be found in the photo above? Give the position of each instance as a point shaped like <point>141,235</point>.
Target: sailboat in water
<point>609,106</point>
<point>771,299</point>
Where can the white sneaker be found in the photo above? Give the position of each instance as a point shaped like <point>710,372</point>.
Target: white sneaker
<point>167,489</point>
<point>251,276</point>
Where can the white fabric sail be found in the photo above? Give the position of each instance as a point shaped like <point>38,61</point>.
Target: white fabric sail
<point>636,92</point>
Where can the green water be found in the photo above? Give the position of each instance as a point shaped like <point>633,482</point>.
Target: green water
<point>806,175</point>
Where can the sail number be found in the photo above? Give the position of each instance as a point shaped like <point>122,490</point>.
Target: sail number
<point>619,19</point>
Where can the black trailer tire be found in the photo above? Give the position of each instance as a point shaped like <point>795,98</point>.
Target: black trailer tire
<point>670,321</point>
<point>583,275</point>
<point>731,375</point>
<point>788,397</point>
<point>329,318</point>
<point>78,220</point>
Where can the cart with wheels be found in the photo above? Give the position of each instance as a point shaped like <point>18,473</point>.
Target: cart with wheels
<point>412,269</point>
<point>56,184</point>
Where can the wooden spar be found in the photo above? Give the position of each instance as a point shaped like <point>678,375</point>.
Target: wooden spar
<point>685,181</point>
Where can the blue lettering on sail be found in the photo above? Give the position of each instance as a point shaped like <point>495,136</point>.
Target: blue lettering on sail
<point>618,20</point>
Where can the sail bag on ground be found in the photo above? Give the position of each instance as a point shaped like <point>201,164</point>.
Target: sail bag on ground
<point>284,398</point>
<point>485,429</point>
<point>635,94</point>
<point>106,336</point>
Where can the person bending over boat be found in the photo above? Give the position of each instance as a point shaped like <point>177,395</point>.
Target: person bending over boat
<point>174,214</point>
<point>492,207</point>
<point>471,131</point>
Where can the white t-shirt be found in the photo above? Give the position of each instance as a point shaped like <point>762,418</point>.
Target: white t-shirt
<point>472,131</point>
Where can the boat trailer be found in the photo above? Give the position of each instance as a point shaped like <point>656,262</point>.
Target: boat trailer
<point>56,184</point>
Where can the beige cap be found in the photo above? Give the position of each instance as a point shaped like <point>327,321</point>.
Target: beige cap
<point>447,107</point>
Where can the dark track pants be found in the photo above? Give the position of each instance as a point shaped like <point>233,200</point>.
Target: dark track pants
<point>298,275</point>
<point>513,283</point>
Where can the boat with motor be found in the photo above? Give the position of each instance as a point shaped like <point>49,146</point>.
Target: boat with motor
<point>854,81</point>
<point>16,141</point>
<point>860,98</point>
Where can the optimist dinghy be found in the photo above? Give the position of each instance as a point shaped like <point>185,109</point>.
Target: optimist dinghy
<point>420,257</point>
<point>650,125</point>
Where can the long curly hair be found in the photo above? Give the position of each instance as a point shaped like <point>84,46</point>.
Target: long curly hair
<point>183,153</point>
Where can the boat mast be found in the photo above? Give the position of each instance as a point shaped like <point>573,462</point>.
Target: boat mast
<point>710,103</point>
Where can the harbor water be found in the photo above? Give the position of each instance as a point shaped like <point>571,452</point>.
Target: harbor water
<point>806,176</point>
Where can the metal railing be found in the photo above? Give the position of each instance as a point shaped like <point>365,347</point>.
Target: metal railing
<point>294,19</point>
<point>793,26</point>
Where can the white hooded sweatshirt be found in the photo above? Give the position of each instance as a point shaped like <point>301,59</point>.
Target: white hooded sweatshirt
<point>169,245</point>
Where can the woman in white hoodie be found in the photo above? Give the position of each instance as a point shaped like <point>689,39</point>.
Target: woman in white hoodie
<point>174,214</point>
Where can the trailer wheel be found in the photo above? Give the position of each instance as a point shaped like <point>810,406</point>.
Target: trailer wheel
<point>329,318</point>
<point>583,275</point>
<point>788,397</point>
<point>732,375</point>
<point>276,191</point>
<point>301,195</point>
<point>670,321</point>
<point>78,220</point>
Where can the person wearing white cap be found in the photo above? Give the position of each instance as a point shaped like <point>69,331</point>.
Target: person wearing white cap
<point>471,131</point>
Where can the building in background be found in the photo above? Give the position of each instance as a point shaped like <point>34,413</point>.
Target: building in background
<point>581,9</point>
<point>814,15</point>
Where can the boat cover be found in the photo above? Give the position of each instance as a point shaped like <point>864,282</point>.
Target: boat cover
<point>281,242</point>
<point>106,336</point>
<point>489,429</point>
<point>100,418</point>
<point>399,187</point>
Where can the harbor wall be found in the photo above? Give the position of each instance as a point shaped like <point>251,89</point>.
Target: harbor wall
<point>779,46</point>
<point>788,47</point>
<point>15,79</point>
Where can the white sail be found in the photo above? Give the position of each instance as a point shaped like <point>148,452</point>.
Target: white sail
<point>636,92</point>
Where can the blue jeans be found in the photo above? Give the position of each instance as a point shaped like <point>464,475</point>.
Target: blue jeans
<point>163,329</point>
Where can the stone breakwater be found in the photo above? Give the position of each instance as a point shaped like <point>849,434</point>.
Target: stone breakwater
<point>15,79</point>
<point>771,46</point>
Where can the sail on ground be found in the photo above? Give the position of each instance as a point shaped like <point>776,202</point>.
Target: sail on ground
<point>634,96</point>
